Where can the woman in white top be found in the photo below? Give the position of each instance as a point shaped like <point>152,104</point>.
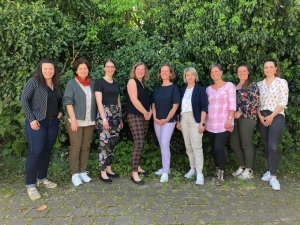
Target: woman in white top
<point>272,102</point>
<point>193,110</point>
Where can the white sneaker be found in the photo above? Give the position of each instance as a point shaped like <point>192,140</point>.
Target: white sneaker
<point>247,174</point>
<point>84,177</point>
<point>200,179</point>
<point>160,172</point>
<point>239,171</point>
<point>266,176</point>
<point>275,184</point>
<point>164,178</point>
<point>76,180</point>
<point>191,173</point>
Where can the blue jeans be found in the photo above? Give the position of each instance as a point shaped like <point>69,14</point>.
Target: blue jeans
<point>271,136</point>
<point>40,144</point>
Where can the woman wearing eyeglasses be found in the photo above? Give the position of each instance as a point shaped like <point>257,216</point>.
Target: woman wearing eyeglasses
<point>109,119</point>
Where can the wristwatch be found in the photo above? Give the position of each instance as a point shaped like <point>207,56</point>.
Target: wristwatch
<point>230,117</point>
<point>104,120</point>
<point>203,124</point>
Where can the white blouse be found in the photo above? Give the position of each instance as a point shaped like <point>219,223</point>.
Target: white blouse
<point>186,104</point>
<point>273,96</point>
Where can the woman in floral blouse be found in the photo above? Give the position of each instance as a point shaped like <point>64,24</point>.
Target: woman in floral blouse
<point>273,99</point>
<point>245,119</point>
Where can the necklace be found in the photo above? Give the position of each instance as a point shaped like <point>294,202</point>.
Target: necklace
<point>108,80</point>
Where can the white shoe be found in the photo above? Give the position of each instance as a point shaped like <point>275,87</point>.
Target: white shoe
<point>239,171</point>
<point>200,179</point>
<point>76,180</point>
<point>247,174</point>
<point>266,176</point>
<point>275,184</point>
<point>164,178</point>
<point>84,177</point>
<point>191,173</point>
<point>160,172</point>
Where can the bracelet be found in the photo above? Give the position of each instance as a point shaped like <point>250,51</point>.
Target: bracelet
<point>230,117</point>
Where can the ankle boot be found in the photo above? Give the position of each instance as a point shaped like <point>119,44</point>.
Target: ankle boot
<point>220,178</point>
<point>215,174</point>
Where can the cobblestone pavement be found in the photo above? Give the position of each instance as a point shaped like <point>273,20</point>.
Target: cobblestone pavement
<point>236,202</point>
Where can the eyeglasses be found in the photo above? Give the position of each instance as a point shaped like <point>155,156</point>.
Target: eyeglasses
<point>110,67</point>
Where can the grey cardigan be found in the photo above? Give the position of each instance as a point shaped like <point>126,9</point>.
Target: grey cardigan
<point>34,100</point>
<point>74,95</point>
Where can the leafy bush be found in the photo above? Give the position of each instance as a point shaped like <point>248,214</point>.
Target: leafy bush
<point>182,33</point>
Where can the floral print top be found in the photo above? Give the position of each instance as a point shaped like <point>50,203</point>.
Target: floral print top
<point>274,95</point>
<point>248,101</point>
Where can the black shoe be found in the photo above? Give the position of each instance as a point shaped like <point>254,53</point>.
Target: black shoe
<point>145,173</point>
<point>116,175</point>
<point>105,180</point>
<point>141,182</point>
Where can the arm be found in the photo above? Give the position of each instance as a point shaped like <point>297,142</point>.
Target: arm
<point>231,105</point>
<point>98,96</point>
<point>132,92</point>
<point>203,118</point>
<point>171,114</point>
<point>119,104</point>
<point>26,98</point>
<point>71,113</point>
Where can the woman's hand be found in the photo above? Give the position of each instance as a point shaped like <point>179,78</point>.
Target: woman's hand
<point>74,125</point>
<point>35,125</point>
<point>228,124</point>
<point>105,125</point>
<point>59,115</point>
<point>201,128</point>
<point>121,124</point>
<point>237,115</point>
<point>178,125</point>
<point>147,116</point>
<point>266,121</point>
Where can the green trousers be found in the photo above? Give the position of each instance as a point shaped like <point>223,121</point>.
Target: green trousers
<point>241,141</point>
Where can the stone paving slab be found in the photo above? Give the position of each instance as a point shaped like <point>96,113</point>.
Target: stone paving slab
<point>122,202</point>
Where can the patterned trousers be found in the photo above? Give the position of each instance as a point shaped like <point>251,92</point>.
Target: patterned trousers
<point>138,126</point>
<point>108,138</point>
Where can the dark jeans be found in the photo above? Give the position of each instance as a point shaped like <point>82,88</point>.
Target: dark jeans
<point>40,144</point>
<point>241,141</point>
<point>217,142</point>
<point>271,136</point>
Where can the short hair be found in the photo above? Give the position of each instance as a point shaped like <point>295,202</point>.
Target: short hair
<point>132,72</point>
<point>109,60</point>
<point>40,77</point>
<point>193,71</point>
<point>78,62</point>
<point>173,76</point>
<point>278,71</point>
<point>249,81</point>
<point>215,65</point>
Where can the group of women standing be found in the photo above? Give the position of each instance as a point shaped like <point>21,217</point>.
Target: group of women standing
<point>222,109</point>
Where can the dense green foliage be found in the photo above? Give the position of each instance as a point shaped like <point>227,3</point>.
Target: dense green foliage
<point>183,33</point>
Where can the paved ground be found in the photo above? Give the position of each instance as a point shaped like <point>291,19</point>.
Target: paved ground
<point>236,202</point>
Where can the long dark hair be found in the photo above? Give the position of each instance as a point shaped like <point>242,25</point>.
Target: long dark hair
<point>248,83</point>
<point>39,75</point>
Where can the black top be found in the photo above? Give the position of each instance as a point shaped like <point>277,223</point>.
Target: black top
<point>142,95</point>
<point>110,91</point>
<point>163,98</point>
<point>54,101</point>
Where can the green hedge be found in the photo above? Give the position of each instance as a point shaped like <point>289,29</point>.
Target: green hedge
<point>183,33</point>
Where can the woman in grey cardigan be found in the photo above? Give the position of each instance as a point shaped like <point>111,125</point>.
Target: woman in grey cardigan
<point>79,99</point>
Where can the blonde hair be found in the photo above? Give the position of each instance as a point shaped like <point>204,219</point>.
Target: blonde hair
<point>132,72</point>
<point>172,77</point>
<point>193,71</point>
